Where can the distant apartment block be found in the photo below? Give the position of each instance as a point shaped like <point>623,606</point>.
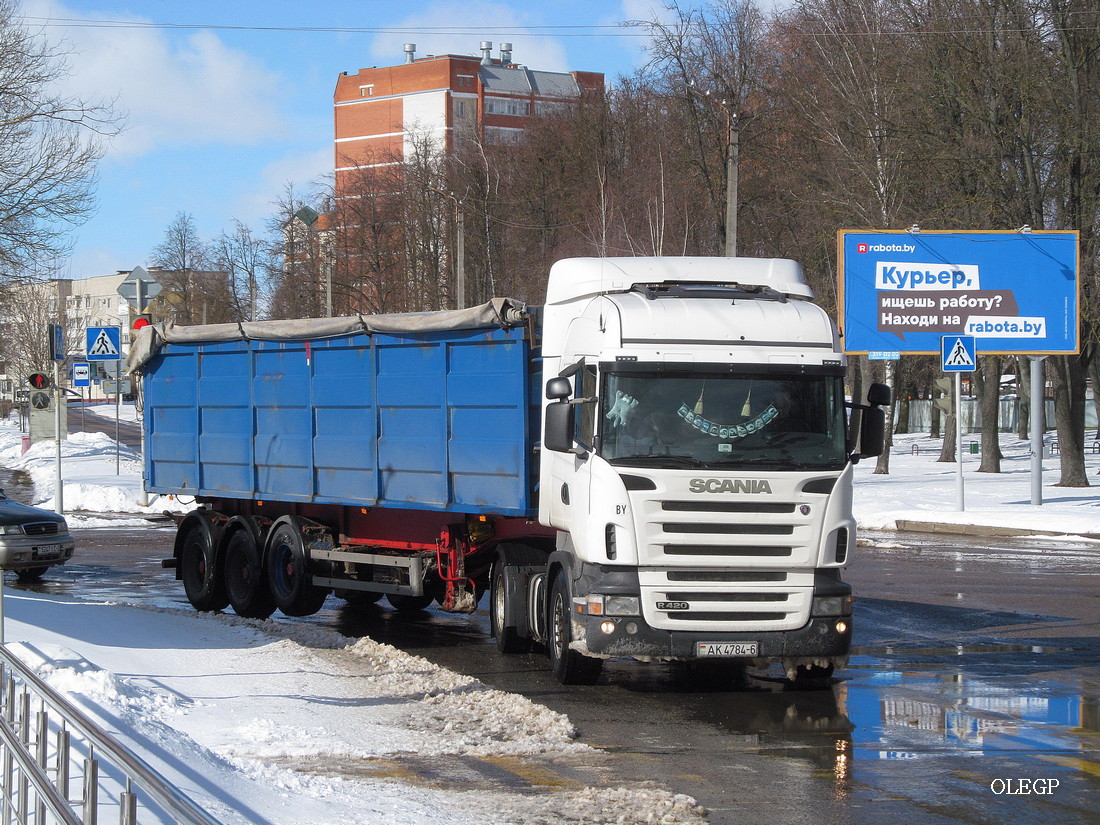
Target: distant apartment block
<point>444,98</point>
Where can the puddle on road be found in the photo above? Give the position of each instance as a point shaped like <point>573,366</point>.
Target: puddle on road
<point>914,710</point>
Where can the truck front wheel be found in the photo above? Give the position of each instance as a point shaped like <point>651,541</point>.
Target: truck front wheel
<point>288,573</point>
<point>203,585</point>
<point>244,578</point>
<point>569,666</point>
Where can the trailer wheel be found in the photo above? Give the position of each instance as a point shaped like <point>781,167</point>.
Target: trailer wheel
<point>244,577</point>
<point>508,639</point>
<point>203,585</point>
<point>569,666</point>
<point>288,573</point>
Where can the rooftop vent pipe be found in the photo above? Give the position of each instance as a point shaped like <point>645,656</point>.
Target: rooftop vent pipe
<point>506,54</point>
<point>486,49</point>
<point>410,52</point>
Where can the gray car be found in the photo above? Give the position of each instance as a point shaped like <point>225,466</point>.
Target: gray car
<point>32,539</point>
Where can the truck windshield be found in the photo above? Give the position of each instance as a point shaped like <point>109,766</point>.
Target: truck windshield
<point>763,420</point>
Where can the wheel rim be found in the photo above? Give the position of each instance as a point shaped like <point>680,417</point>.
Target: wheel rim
<point>194,565</point>
<point>498,605</point>
<point>558,639</point>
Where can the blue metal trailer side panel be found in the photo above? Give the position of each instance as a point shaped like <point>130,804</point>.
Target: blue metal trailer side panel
<point>417,420</point>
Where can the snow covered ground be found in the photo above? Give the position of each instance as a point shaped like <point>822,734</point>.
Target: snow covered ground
<point>282,723</point>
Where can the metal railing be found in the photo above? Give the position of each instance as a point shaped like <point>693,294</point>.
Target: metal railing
<point>47,746</point>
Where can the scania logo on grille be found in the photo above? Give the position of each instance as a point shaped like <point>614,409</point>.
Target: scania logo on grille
<point>729,485</point>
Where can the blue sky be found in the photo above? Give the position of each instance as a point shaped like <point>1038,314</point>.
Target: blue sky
<point>222,113</point>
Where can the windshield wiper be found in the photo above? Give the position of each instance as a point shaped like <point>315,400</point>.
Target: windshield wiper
<point>657,460</point>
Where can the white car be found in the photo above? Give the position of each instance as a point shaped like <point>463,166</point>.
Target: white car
<point>32,539</point>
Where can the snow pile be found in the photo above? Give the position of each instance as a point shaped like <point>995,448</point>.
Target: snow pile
<point>617,806</point>
<point>282,724</point>
<point>96,479</point>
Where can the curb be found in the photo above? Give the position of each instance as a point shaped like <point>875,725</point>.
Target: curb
<point>981,530</point>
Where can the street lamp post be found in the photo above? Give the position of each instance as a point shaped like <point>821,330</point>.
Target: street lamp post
<point>308,217</point>
<point>460,249</point>
<point>733,161</point>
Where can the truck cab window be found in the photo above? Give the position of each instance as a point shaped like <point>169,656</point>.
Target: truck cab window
<point>722,420</point>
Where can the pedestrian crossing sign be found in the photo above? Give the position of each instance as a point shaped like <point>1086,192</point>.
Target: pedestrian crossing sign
<point>104,343</point>
<point>958,353</point>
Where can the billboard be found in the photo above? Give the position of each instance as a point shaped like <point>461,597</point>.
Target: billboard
<point>1015,292</point>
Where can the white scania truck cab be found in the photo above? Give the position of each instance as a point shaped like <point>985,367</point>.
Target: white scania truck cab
<point>697,464</point>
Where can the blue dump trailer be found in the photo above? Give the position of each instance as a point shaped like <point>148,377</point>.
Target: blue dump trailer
<point>656,464</point>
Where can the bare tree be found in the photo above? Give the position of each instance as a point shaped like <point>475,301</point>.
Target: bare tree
<point>196,294</point>
<point>246,258</point>
<point>50,147</point>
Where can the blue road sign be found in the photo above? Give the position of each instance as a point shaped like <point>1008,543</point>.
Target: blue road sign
<point>104,343</point>
<point>57,342</point>
<point>958,353</point>
<point>82,374</point>
<point>902,291</point>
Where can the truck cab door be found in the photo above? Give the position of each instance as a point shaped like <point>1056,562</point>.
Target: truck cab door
<point>568,492</point>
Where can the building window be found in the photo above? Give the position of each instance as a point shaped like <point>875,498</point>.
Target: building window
<point>507,106</point>
<point>366,91</point>
<point>465,81</point>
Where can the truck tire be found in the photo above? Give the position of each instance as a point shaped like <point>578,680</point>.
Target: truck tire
<point>202,582</point>
<point>569,666</point>
<point>245,581</point>
<point>288,574</point>
<point>508,639</point>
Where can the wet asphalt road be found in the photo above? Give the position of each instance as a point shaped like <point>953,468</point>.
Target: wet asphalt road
<point>973,695</point>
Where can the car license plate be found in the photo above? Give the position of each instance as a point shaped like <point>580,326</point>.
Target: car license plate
<point>47,551</point>
<point>727,649</point>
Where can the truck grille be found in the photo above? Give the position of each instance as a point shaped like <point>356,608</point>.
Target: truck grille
<point>753,532</point>
<point>709,564</point>
<point>703,600</point>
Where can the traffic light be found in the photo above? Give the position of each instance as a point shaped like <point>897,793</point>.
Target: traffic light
<point>38,380</point>
<point>947,387</point>
<point>139,322</point>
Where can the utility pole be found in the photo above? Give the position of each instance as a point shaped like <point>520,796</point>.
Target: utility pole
<point>733,162</point>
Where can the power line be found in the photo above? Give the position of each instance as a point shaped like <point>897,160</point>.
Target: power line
<point>615,30</point>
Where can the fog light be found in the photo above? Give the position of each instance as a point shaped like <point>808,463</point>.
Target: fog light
<point>841,627</point>
<point>631,628</point>
<point>607,627</point>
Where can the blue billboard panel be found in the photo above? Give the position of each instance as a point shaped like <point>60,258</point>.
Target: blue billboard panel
<point>1015,292</point>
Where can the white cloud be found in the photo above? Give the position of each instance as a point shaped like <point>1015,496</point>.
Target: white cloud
<point>299,170</point>
<point>538,52</point>
<point>175,90</point>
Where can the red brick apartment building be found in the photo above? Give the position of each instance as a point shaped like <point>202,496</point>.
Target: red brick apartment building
<point>443,97</point>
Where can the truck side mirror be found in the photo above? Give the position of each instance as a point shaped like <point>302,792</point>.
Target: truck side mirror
<point>879,395</point>
<point>558,389</point>
<point>872,432</point>
<point>872,422</point>
<point>558,435</point>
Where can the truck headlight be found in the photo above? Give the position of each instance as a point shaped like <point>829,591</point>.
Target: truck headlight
<point>598,604</point>
<point>832,606</point>
<point>622,605</point>
<point>10,530</point>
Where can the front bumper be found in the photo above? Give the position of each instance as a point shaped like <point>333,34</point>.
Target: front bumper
<point>818,639</point>
<point>26,552</point>
<point>822,637</point>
